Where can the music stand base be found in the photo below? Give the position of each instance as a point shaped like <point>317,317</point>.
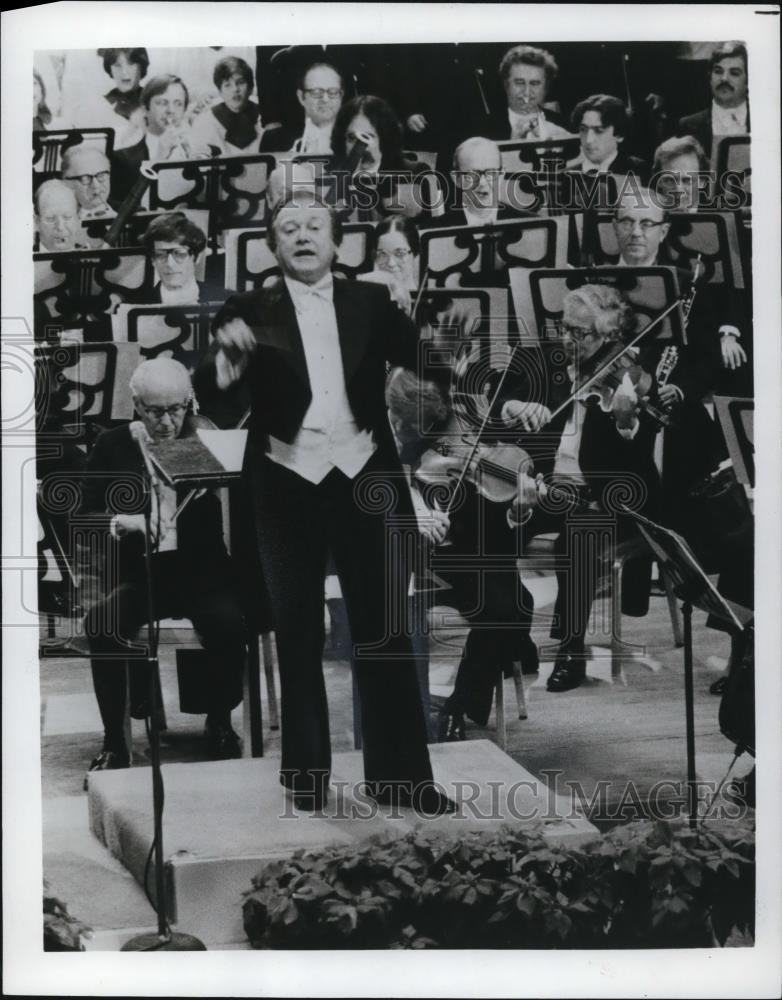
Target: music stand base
<point>172,941</point>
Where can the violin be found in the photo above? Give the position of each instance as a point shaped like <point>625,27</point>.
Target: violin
<point>494,470</point>
<point>624,371</point>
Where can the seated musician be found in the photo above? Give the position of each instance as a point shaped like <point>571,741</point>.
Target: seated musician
<point>641,226</point>
<point>382,178</point>
<point>729,111</point>
<point>87,171</point>
<point>192,573</point>
<point>480,196</point>
<point>680,173</point>
<point>584,453</point>
<point>57,224</point>
<point>175,245</point>
<point>165,101</point>
<point>601,123</point>
<point>397,247</point>
<point>233,125</point>
<point>319,93</point>
<point>494,601</point>
<point>527,74</point>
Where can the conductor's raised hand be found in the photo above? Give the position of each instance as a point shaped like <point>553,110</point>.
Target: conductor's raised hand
<point>236,342</point>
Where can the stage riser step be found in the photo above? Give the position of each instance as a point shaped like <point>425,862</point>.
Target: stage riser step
<point>224,819</point>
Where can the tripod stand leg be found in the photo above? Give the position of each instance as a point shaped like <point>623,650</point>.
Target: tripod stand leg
<point>689,706</point>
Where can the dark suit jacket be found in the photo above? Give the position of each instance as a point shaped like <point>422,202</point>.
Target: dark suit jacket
<point>280,139</point>
<point>625,164</point>
<point>115,459</point>
<point>372,332</point>
<point>699,125</point>
<point>456,217</point>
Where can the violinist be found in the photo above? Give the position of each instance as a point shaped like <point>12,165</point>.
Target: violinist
<point>192,572</point>
<point>588,451</point>
<point>495,602</point>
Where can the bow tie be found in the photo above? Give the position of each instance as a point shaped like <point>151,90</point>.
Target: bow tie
<point>305,295</point>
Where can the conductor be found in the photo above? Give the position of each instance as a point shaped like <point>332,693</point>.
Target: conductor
<point>325,476</point>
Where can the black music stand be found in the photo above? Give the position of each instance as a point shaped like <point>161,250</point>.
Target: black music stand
<point>165,939</point>
<point>694,589</point>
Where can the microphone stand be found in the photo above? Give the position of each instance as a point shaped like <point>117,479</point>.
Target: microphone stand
<point>165,939</point>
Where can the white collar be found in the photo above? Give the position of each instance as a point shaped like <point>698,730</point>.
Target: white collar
<point>731,116</point>
<point>187,295</point>
<point>300,290</point>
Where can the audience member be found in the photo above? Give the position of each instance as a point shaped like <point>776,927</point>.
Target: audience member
<point>234,125</point>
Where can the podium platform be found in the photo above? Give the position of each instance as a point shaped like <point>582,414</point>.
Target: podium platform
<point>223,819</point>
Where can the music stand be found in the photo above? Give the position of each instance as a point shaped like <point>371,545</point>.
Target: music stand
<point>186,462</point>
<point>694,589</point>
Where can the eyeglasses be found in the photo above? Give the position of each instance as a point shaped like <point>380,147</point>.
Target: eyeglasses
<point>575,332</point>
<point>400,254</point>
<point>180,254</point>
<point>86,179</point>
<point>158,412</point>
<point>626,224</point>
<point>320,92</point>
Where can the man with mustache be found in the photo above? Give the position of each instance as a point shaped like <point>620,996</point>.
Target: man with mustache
<point>729,111</point>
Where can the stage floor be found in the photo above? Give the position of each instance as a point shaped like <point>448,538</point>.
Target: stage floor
<point>613,745</point>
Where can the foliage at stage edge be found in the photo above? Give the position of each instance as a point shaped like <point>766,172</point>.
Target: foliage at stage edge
<point>61,931</point>
<point>643,885</point>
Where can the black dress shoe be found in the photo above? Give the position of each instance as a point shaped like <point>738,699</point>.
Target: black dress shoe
<point>450,726</point>
<point>107,760</point>
<point>426,799</point>
<point>307,801</point>
<point>719,686</point>
<point>223,741</point>
<point>569,672</point>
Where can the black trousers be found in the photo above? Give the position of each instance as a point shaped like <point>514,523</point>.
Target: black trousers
<point>584,547</point>
<point>298,524</point>
<point>205,595</point>
<point>500,607</point>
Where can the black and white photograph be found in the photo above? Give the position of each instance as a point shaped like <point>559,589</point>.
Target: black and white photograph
<point>380,483</point>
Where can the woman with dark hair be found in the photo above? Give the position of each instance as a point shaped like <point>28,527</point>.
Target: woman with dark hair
<point>85,102</point>
<point>127,68</point>
<point>384,180</point>
<point>234,124</point>
<point>396,259</point>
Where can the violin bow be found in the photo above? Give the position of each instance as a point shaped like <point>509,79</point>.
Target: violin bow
<point>420,292</point>
<point>615,357</point>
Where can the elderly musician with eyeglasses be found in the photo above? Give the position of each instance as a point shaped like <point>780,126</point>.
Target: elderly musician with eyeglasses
<point>192,573</point>
<point>586,452</point>
<point>87,171</point>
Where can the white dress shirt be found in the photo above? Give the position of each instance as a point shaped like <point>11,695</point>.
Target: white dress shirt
<point>729,121</point>
<point>315,140</point>
<point>329,437</point>
<point>187,295</point>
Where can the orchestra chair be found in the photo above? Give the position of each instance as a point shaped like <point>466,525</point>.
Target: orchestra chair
<point>539,556</point>
<point>441,617</point>
<point>48,148</point>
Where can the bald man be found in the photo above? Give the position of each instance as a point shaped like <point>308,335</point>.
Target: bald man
<point>87,171</point>
<point>57,217</point>
<point>480,196</point>
<point>192,573</point>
